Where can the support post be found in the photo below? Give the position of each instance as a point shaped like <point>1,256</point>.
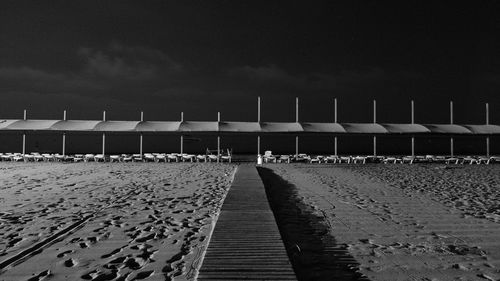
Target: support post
<point>182,136</point>
<point>413,122</point>
<point>64,137</point>
<point>488,137</point>
<point>296,121</point>
<point>218,140</point>
<point>335,120</point>
<point>24,135</point>
<point>141,137</point>
<point>258,120</point>
<point>451,122</point>
<point>374,121</point>
<point>103,135</point>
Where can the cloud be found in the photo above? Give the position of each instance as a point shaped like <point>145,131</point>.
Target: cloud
<point>126,62</point>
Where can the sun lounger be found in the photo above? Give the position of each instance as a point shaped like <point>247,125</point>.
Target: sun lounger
<point>212,158</point>
<point>284,159</point>
<point>148,157</point>
<point>88,157</point>
<point>345,159</point>
<point>483,160</point>
<point>407,159</point>
<point>316,159</point>
<point>269,157</point>
<point>359,159</point>
<point>201,158</point>
<point>331,159</point>
<point>226,156</point>
<point>469,160</point>
<point>171,157</point>
<point>187,157</point>
<point>114,158</point>
<point>161,157</point>
<point>126,158</point>
<point>452,160</point>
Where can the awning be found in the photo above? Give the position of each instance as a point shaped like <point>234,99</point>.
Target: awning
<point>158,126</point>
<point>281,127</point>
<point>31,125</point>
<point>6,123</point>
<point>364,128</point>
<point>243,127</point>
<point>447,129</point>
<point>75,125</point>
<point>116,126</point>
<point>323,127</point>
<point>405,128</point>
<point>484,129</point>
<point>199,126</point>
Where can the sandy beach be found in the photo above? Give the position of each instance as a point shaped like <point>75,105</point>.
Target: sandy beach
<point>108,221</point>
<point>396,222</point>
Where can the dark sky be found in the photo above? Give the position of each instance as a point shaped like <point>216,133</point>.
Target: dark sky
<point>201,57</point>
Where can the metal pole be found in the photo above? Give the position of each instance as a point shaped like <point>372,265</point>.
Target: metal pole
<point>451,122</point>
<point>64,137</point>
<point>374,121</point>
<point>218,140</point>
<point>487,123</point>
<point>413,122</point>
<point>24,136</point>
<point>297,121</point>
<point>182,136</point>
<point>141,136</point>
<point>258,120</point>
<point>335,120</point>
<point>103,135</point>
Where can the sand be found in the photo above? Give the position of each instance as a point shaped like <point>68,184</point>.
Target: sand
<point>402,222</point>
<point>113,221</point>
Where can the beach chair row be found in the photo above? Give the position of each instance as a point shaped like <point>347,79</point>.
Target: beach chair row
<point>268,157</point>
<point>146,157</point>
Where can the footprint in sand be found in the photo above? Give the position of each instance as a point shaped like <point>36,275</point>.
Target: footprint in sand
<point>70,262</point>
<point>42,275</point>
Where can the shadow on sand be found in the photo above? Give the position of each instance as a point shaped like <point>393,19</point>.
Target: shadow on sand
<point>314,253</point>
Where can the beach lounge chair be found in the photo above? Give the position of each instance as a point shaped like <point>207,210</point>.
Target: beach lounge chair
<point>452,160</point>
<point>161,157</point>
<point>37,157</point>
<point>483,160</point>
<point>284,159</point>
<point>17,157</point>
<point>114,158</point>
<point>359,159</point>
<point>201,158</point>
<point>99,158</point>
<point>316,159</point>
<point>148,157</point>
<point>494,159</point>
<point>302,157</point>
<point>78,158</point>
<point>59,157</point>
<point>171,157</point>
<point>346,159</point>
<point>126,158</point>
<point>331,159</point>
<point>29,158</point>
<point>469,160</point>
<point>226,156</point>
<point>187,157</point>
<point>407,159</point>
<point>88,157</point>
<point>269,157</point>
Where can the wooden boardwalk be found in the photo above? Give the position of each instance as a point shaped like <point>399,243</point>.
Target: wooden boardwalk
<point>246,243</point>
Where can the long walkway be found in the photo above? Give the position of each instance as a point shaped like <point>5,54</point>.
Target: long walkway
<point>246,243</point>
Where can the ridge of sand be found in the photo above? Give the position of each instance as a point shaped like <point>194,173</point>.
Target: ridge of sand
<point>149,220</point>
<point>397,231</point>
